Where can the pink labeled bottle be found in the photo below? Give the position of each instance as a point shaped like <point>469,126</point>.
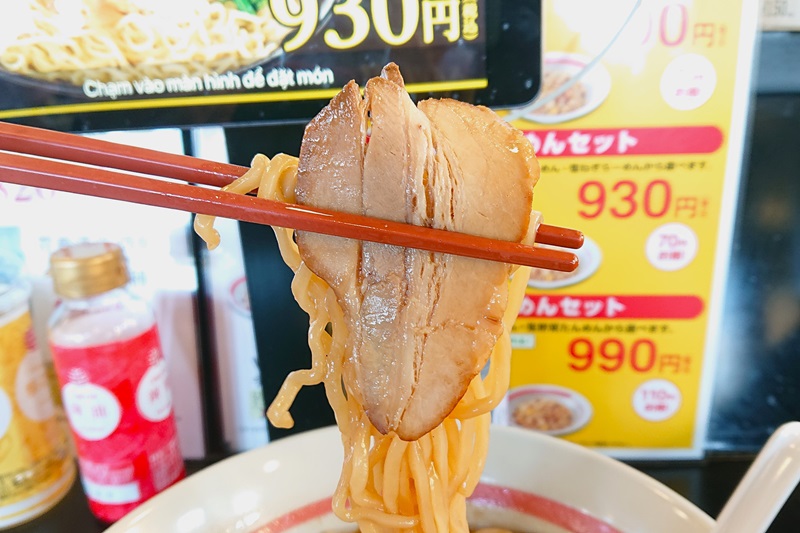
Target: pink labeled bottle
<point>113,381</point>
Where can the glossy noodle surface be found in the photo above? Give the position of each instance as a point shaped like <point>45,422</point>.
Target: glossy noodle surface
<point>398,337</point>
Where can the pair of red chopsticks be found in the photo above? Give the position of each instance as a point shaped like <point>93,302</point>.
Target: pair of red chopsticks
<point>19,143</point>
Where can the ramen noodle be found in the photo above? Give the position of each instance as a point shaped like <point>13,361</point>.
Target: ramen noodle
<point>381,472</point>
<point>124,40</point>
<point>543,414</point>
<point>572,99</point>
<point>393,479</point>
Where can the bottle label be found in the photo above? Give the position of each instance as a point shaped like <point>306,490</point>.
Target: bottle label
<point>153,397</point>
<point>119,407</point>
<point>31,386</point>
<point>6,413</point>
<point>93,412</point>
<point>111,494</point>
<point>35,462</point>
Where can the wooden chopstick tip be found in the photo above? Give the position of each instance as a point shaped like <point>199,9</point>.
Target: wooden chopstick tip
<point>558,236</point>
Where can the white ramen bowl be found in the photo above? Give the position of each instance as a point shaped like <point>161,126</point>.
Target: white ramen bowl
<point>531,483</point>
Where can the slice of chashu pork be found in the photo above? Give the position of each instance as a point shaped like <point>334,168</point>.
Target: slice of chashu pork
<point>421,324</point>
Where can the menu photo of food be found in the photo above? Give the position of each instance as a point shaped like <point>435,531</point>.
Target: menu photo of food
<point>550,409</point>
<point>589,259</point>
<point>70,41</point>
<point>83,65</point>
<point>587,88</point>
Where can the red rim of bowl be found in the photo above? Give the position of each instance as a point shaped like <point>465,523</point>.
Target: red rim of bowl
<point>485,495</point>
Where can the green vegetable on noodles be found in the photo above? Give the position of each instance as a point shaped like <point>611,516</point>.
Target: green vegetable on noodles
<point>248,6</point>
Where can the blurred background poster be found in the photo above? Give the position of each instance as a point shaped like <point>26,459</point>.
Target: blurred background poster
<point>643,153</point>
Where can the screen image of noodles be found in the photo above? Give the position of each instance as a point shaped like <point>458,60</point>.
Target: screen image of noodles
<point>399,336</point>
<point>116,40</point>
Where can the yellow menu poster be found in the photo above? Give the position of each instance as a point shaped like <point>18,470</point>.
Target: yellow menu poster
<point>639,130</point>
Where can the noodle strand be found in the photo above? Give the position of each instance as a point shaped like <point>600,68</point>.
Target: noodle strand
<point>386,484</point>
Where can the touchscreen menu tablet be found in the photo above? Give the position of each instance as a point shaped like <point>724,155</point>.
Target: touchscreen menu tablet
<point>103,64</point>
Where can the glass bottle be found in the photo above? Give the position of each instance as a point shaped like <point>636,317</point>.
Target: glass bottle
<point>113,378</point>
<point>36,466</point>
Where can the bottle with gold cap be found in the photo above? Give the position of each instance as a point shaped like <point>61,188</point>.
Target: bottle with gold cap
<point>36,466</point>
<point>113,379</point>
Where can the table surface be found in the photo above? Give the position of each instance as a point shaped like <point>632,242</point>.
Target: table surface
<point>708,484</point>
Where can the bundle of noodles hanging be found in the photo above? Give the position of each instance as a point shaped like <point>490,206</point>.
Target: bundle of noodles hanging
<point>399,336</point>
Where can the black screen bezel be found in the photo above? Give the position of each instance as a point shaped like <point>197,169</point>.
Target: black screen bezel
<point>513,70</point>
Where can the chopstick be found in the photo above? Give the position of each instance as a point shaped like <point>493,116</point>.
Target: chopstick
<point>106,154</point>
<point>68,147</point>
<point>56,173</point>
